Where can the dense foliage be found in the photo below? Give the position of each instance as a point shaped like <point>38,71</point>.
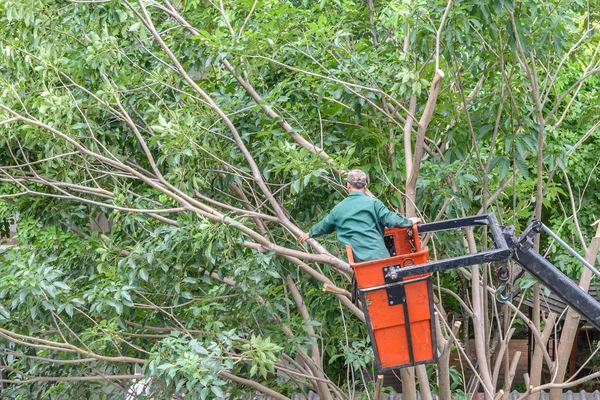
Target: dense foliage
<point>163,157</point>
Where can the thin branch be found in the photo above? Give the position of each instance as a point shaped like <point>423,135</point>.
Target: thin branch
<point>438,35</point>
<point>562,98</point>
<point>574,209</point>
<point>253,384</point>
<point>70,378</point>
<point>52,360</point>
<point>247,19</point>
<point>8,121</point>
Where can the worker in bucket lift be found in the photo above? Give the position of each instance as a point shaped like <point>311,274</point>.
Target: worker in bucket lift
<point>360,221</point>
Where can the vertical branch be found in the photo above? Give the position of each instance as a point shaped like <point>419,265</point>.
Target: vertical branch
<point>574,208</point>
<point>500,355</point>
<point>438,35</point>
<point>301,306</point>
<point>569,331</point>
<point>378,387</point>
<point>315,355</point>
<point>140,138</point>
<point>372,22</point>
<point>409,388</point>
<point>532,76</point>
<point>478,323</point>
<point>408,375</point>
<point>411,184</point>
<point>247,19</point>
<point>412,107</point>
<point>537,359</point>
<point>423,124</point>
<point>444,346</point>
<point>424,387</point>
<point>511,375</point>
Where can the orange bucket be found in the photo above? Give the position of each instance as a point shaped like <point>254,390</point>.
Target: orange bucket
<point>399,313</point>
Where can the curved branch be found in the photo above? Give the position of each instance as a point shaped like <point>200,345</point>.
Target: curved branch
<point>272,114</point>
<point>20,339</point>
<point>253,384</point>
<point>71,379</point>
<point>562,98</point>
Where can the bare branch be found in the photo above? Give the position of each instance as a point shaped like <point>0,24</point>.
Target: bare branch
<point>8,121</point>
<point>70,379</point>
<point>247,19</point>
<point>253,384</point>
<point>438,34</point>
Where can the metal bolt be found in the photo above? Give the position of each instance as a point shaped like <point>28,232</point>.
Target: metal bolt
<point>391,303</point>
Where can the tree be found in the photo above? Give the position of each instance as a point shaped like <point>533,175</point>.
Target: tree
<point>210,135</point>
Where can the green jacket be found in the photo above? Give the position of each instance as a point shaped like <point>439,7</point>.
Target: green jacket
<point>360,221</point>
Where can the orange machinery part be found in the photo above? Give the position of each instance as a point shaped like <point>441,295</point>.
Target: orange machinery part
<point>397,343</point>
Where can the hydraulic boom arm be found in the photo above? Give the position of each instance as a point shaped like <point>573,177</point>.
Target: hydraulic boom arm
<point>508,246</point>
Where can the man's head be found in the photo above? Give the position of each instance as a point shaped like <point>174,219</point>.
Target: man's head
<point>356,181</point>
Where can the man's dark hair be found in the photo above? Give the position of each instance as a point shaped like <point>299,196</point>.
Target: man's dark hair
<point>357,185</point>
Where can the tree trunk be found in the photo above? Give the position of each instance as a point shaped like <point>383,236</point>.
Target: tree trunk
<point>478,323</point>
<point>411,182</point>
<point>571,324</point>
<point>444,345</point>
<point>412,107</point>
<point>423,382</point>
<point>538,357</point>
<point>409,388</point>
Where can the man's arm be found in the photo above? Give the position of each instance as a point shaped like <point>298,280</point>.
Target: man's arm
<point>323,227</point>
<point>390,219</point>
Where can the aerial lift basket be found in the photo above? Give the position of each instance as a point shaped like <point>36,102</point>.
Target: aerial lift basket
<point>396,292</point>
<point>398,312</point>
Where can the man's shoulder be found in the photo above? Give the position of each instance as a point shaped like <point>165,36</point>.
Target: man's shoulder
<point>339,205</point>
<point>376,201</point>
<point>358,202</point>
<point>343,205</point>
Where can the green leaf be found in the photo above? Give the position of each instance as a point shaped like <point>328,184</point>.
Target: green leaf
<point>273,273</point>
<point>504,166</point>
<point>62,285</point>
<point>69,310</point>
<point>204,393</point>
<point>217,391</point>
<point>143,274</point>
<point>122,15</point>
<point>522,167</point>
<point>313,323</point>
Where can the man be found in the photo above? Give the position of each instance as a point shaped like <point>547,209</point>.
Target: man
<point>360,221</point>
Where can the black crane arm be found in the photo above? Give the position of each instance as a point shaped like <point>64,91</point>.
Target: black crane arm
<point>508,246</point>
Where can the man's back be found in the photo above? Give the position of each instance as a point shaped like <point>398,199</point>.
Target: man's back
<point>360,221</point>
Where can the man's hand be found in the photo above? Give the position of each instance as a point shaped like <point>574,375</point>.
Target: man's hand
<point>303,238</point>
<point>415,220</point>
